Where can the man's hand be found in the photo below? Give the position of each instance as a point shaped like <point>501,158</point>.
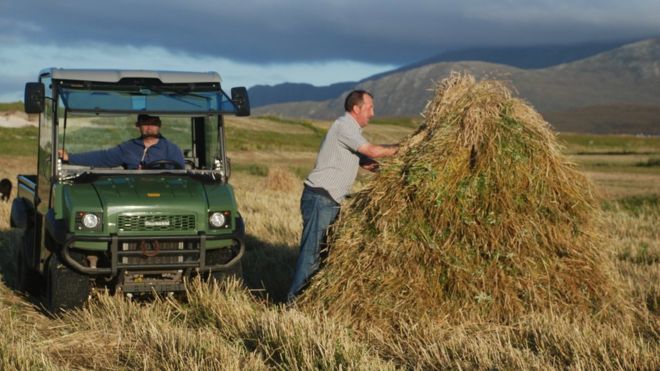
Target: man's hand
<point>63,155</point>
<point>378,151</point>
<point>370,165</point>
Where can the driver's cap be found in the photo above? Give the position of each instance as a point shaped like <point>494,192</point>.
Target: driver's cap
<point>144,119</point>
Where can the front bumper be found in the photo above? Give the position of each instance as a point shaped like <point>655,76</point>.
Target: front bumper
<point>194,257</point>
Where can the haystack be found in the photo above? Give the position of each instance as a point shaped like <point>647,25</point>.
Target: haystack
<point>280,179</point>
<point>479,217</point>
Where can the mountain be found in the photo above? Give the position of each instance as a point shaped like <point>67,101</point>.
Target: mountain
<point>525,57</point>
<point>628,75</point>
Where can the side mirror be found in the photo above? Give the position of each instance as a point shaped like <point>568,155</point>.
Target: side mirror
<point>34,97</point>
<point>240,98</point>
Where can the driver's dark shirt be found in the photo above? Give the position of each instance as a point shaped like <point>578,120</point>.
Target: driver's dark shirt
<point>130,154</point>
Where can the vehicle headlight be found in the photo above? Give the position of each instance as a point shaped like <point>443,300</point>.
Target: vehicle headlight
<point>85,221</point>
<point>90,221</point>
<point>219,219</point>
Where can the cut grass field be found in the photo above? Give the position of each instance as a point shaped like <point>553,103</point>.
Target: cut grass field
<point>234,327</point>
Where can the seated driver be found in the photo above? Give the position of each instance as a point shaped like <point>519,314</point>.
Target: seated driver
<point>134,153</point>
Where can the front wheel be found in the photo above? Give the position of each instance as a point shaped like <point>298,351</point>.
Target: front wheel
<point>223,256</point>
<point>65,288</point>
<point>235,271</point>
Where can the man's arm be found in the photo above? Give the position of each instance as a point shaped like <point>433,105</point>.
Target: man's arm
<point>378,151</point>
<point>104,158</point>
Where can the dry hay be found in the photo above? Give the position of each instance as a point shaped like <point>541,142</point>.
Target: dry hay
<point>281,179</point>
<point>479,217</point>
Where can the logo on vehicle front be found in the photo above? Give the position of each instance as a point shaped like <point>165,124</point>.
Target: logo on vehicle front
<point>156,223</point>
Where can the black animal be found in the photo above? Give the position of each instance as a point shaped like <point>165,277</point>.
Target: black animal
<point>5,189</point>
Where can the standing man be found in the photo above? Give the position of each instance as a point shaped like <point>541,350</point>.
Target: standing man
<point>151,146</point>
<point>343,150</point>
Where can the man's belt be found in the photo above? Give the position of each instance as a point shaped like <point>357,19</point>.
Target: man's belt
<point>320,191</point>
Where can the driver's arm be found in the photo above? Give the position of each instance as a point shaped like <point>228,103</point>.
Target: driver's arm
<point>104,158</point>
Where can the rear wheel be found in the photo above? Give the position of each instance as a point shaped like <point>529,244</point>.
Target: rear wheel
<point>27,279</point>
<point>65,288</point>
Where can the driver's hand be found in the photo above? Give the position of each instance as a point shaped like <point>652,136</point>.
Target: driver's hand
<point>63,155</point>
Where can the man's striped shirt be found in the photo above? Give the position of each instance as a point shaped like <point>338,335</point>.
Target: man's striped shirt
<point>338,160</point>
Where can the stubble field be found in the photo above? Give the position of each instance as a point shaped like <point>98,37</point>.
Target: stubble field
<point>245,326</point>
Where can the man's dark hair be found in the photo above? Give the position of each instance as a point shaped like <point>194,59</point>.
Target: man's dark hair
<point>355,98</point>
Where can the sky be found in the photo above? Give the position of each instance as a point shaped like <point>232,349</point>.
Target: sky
<point>261,42</point>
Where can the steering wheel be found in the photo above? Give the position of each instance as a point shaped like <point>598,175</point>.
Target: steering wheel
<point>163,164</point>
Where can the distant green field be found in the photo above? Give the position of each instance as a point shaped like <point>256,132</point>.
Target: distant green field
<point>11,106</point>
<point>259,140</point>
<point>21,140</point>
<point>604,154</point>
<point>18,141</point>
<point>303,123</point>
<point>609,144</point>
<point>614,154</point>
<point>240,139</point>
<point>407,122</point>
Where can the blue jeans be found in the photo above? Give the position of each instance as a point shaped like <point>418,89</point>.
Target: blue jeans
<point>318,212</point>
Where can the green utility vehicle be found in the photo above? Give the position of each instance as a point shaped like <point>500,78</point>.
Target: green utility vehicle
<point>125,230</point>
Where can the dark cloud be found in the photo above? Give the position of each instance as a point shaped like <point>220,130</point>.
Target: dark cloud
<point>378,31</point>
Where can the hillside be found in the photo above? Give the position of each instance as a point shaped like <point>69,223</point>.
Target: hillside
<point>628,75</point>
<point>525,57</point>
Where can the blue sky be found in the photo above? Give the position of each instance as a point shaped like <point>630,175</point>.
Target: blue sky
<point>251,42</point>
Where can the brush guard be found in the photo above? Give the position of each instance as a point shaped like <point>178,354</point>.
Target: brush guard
<point>161,258</point>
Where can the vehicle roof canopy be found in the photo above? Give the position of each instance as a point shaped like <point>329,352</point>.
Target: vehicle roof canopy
<point>140,91</point>
<point>111,76</point>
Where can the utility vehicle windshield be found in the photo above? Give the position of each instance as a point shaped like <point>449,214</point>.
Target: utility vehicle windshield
<point>100,98</point>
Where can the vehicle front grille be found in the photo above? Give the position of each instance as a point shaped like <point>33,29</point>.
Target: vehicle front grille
<point>130,223</point>
<point>151,251</point>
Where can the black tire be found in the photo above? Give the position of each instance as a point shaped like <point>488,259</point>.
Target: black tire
<point>65,288</point>
<point>219,257</point>
<point>235,271</point>
<point>28,280</point>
